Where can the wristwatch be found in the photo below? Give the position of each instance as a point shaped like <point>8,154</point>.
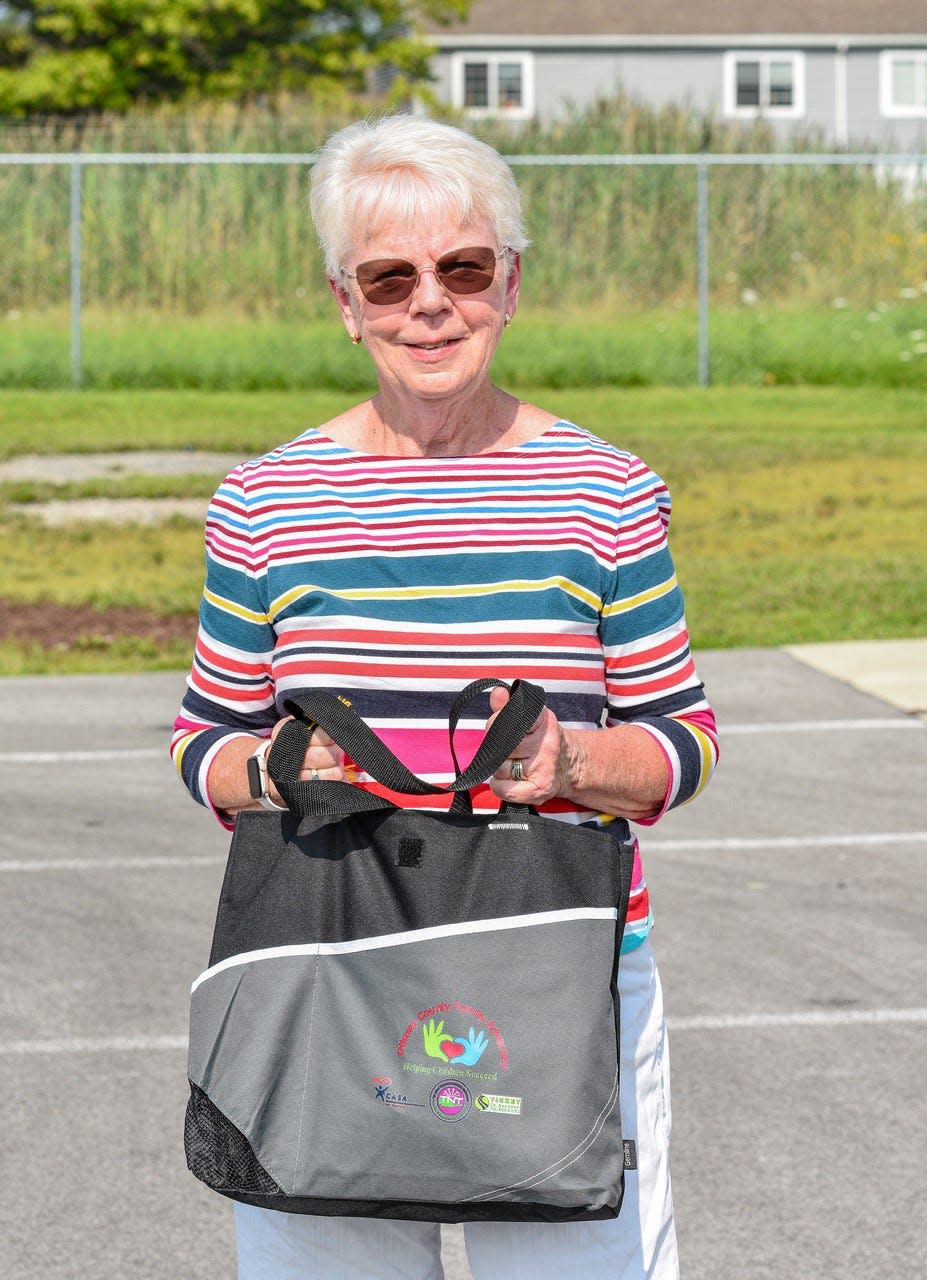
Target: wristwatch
<point>257,776</point>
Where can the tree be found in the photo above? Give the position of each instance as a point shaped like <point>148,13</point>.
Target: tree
<point>93,55</point>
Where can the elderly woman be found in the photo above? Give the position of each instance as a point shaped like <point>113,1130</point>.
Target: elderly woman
<point>440,531</point>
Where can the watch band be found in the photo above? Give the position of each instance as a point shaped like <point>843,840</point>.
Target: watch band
<point>257,776</point>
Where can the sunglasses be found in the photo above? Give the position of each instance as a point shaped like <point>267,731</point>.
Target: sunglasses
<point>386,280</point>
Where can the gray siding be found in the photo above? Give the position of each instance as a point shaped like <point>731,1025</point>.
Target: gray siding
<point>572,77</point>
<point>667,76</point>
<point>695,77</point>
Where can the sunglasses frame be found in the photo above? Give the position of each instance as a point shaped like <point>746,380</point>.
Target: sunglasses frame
<point>412,281</point>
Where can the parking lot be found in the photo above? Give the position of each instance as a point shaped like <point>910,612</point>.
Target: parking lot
<point>790,903</point>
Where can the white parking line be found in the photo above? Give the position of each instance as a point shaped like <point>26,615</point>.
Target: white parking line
<point>734,844</point>
<point>782,726</point>
<point>83,757</point>
<point>833,840</point>
<point>810,1019</point>
<point>823,726</point>
<point>803,1018</point>
<point>82,1044</point>
<point>116,863</point>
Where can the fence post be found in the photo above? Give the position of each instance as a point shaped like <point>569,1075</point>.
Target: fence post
<point>76,370</point>
<point>704,368</point>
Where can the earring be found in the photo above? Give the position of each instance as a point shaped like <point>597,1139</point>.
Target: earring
<point>356,339</point>
<point>508,321</point>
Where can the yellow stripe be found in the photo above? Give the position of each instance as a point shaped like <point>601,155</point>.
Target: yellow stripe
<point>442,593</point>
<point>182,745</point>
<point>229,606</point>
<point>645,597</point>
<point>707,752</point>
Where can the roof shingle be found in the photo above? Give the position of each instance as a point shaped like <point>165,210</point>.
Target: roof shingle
<point>678,17</point>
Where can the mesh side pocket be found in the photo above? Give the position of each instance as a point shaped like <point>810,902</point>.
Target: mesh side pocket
<point>219,1154</point>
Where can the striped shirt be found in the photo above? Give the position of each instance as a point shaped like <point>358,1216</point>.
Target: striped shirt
<point>395,581</point>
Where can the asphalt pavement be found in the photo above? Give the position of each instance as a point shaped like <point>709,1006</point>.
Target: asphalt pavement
<point>790,902</point>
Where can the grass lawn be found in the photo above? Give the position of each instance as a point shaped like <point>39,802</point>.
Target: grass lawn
<point>798,512</point>
<point>594,347</point>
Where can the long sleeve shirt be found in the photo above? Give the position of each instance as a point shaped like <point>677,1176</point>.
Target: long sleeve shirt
<point>395,581</point>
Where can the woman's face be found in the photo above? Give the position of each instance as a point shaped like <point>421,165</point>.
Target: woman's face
<point>436,344</point>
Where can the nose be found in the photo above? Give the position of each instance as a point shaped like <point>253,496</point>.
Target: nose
<point>429,294</point>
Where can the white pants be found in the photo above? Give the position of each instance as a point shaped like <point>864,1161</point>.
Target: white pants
<point>640,1244</point>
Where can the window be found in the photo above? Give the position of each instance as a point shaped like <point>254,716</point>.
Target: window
<point>769,84</point>
<point>903,77</point>
<point>493,84</point>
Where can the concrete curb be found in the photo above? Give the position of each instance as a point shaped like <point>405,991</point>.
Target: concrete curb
<point>893,670</point>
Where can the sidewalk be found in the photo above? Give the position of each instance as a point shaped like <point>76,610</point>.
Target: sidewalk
<point>893,670</point>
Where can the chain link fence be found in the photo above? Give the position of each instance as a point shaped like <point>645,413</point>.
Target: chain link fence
<point>725,239</point>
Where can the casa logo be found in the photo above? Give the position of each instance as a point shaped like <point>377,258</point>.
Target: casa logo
<point>498,1104</point>
<point>391,1097</point>
<point>453,1033</point>
<point>451,1100</point>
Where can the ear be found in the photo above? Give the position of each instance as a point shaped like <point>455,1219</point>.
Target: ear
<point>513,285</point>
<point>346,306</point>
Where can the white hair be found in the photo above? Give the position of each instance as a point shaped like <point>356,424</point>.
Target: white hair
<point>402,167</point>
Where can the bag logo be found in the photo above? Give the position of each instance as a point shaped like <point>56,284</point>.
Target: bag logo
<point>391,1097</point>
<point>448,1040</point>
<point>498,1104</point>
<point>451,1100</point>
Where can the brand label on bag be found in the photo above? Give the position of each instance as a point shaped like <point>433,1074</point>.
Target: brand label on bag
<point>498,1104</point>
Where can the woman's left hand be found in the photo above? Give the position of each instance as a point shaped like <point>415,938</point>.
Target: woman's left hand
<point>545,756</point>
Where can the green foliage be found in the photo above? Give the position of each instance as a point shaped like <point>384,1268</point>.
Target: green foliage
<point>78,56</point>
<point>750,345</point>
<point>189,238</point>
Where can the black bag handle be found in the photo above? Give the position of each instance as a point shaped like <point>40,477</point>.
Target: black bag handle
<point>311,707</point>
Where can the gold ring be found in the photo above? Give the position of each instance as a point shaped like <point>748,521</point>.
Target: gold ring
<point>518,771</point>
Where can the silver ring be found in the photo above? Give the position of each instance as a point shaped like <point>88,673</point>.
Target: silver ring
<point>518,771</point>
<point>314,775</point>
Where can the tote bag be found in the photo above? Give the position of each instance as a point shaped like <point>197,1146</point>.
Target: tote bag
<point>411,1014</point>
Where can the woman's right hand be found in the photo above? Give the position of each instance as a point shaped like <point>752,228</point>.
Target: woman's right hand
<point>323,762</point>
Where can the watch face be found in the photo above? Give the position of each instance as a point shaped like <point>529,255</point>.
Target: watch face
<point>255,782</point>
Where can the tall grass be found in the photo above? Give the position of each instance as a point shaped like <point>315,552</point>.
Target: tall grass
<point>193,239</point>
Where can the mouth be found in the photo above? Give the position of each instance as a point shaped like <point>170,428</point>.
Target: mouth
<point>445,345</point>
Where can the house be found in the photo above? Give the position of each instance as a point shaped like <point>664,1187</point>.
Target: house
<point>851,71</point>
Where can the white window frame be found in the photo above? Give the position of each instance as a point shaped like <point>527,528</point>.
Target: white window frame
<point>887,60</point>
<point>493,59</point>
<point>764,57</point>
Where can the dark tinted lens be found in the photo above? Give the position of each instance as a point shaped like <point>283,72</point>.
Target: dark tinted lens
<point>386,279</point>
<point>467,270</point>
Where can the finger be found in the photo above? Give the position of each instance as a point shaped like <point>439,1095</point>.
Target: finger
<point>498,698</point>
<point>318,757</point>
<point>325,773</point>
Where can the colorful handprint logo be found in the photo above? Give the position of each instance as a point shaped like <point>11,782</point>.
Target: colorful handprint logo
<point>466,1051</point>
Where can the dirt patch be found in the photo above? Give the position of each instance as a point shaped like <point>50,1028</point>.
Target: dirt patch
<point>62,626</point>
<point>62,468</point>
<point>113,510</point>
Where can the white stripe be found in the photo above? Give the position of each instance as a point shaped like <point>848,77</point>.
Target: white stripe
<point>830,841</point>
<point>463,929</point>
<point>81,757</point>
<point>822,726</point>
<point>701,1022</point>
<point>726,730</point>
<point>806,1018</point>
<point>729,844</point>
<point>108,1044</point>
<point>107,864</point>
